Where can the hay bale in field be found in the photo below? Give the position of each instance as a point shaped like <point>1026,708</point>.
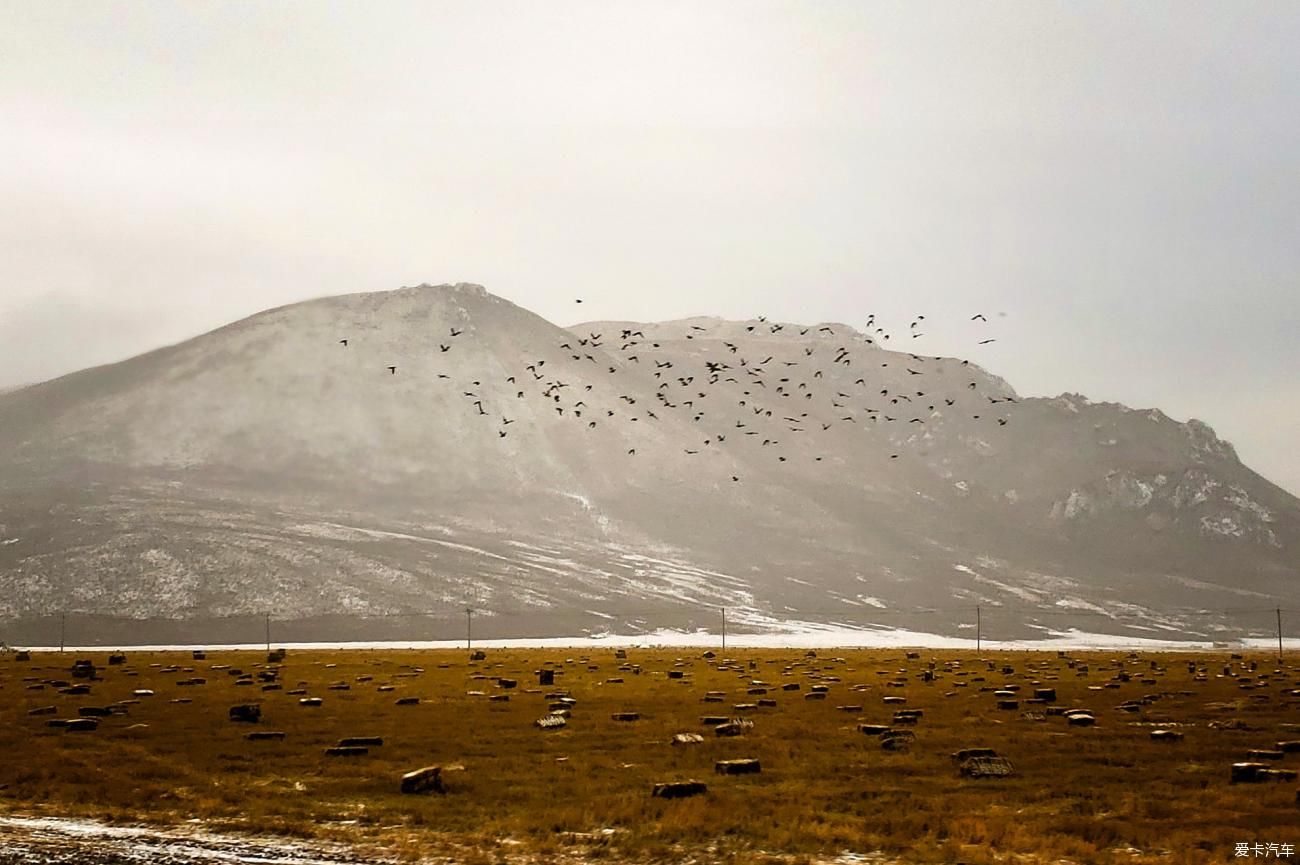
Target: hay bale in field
<point>744,707</point>
<point>626,716</point>
<point>423,780</point>
<point>735,727</point>
<point>94,711</point>
<point>1048,694</point>
<point>264,736</point>
<point>767,704</point>
<point>714,698</point>
<point>993,766</point>
<point>116,659</point>
<point>43,710</point>
<point>676,674</point>
<point>346,751</point>
<point>893,700</point>
<point>1080,719</point>
<point>478,655</point>
<point>848,708</point>
<point>361,741</point>
<point>790,686</point>
<point>1009,705</point>
<point>249,713</point>
<point>499,698</point>
<point>550,722</point>
<point>620,654</point>
<point>545,677</point>
<point>714,720</point>
<point>1263,754</point>
<point>1291,747</point>
<point>407,701</point>
<point>687,739</point>
<point>874,729</point>
<point>678,789</point>
<point>507,684</point>
<point>897,740</point>
<point>815,695</point>
<point>81,725</point>
<point>57,722</point>
<point>22,656</point>
<point>311,702</point>
<point>748,766</point>
<point>967,753</point>
<point>1257,773</point>
<point>1166,736</point>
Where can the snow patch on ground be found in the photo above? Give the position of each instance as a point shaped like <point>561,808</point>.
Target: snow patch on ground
<point>793,635</point>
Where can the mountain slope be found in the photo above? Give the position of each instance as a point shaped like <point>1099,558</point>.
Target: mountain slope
<point>611,475</point>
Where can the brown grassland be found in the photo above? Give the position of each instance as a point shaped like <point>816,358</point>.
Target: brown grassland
<point>1102,794</point>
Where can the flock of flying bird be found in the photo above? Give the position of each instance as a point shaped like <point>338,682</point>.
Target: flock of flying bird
<point>755,385</point>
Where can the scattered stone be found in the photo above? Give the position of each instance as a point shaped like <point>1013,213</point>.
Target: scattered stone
<point>346,751</point>
<point>737,767</point>
<point>687,739</point>
<point>264,736</point>
<point>626,716</point>
<point>550,722</point>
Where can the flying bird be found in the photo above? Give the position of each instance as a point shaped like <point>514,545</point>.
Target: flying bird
<point>344,342</point>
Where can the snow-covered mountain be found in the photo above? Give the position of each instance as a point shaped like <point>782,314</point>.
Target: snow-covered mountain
<point>612,475</point>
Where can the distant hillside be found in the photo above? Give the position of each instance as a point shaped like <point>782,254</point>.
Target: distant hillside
<point>613,475</point>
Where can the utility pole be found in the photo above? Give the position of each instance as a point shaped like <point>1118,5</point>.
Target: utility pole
<point>1279,635</point>
<point>268,632</point>
<point>469,627</point>
<point>63,630</point>
<point>724,629</point>
<point>978,635</point>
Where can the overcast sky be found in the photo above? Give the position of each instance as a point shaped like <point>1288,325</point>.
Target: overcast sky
<point>1121,180</point>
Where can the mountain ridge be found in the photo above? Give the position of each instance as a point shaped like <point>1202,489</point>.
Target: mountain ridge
<point>211,477</point>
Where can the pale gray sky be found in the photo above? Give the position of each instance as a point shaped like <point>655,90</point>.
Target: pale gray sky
<point>1122,180</point>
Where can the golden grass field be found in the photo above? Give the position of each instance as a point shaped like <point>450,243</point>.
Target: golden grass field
<point>1102,794</point>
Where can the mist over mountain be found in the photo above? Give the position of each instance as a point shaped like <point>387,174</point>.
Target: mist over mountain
<point>614,475</point>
